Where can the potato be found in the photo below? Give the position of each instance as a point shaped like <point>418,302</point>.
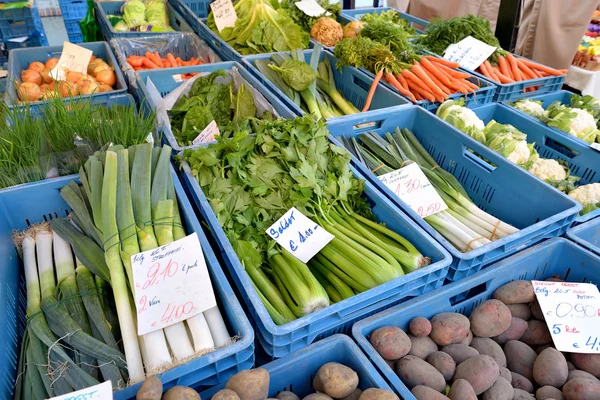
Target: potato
<point>536,311</point>
<point>317,396</point>
<point>462,390</point>
<point>520,358</point>
<point>500,390</point>
<point>490,319</point>
<point>354,395</point>
<point>181,393</point>
<point>427,393</point>
<point>577,373</point>
<point>337,380</point>
<point>581,389</point>
<point>390,342</point>
<point>468,339</point>
<point>251,384</point>
<point>506,374</point>
<point>518,381</point>
<point>548,392</point>
<point>519,394</point>
<point>537,333</point>
<point>488,347</point>
<point>448,328</point>
<point>480,371</point>
<point>151,389</point>
<point>543,347</point>
<point>378,394</point>
<point>515,292</point>
<point>443,363</point>
<point>226,394</point>
<point>516,329</point>
<point>587,362</point>
<point>419,327</point>
<point>460,352</point>
<point>413,372</point>
<point>287,396</point>
<point>520,311</point>
<point>571,366</point>
<point>550,368</point>
<point>422,347</point>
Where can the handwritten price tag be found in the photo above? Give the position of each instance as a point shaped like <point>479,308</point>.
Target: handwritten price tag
<point>208,134</point>
<point>171,284</point>
<point>310,8</point>
<point>102,391</point>
<point>470,53</point>
<point>73,58</point>
<point>412,187</point>
<point>572,312</point>
<point>224,14</point>
<point>299,235</point>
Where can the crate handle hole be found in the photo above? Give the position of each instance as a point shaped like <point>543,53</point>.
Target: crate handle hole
<point>561,148</point>
<point>361,83</point>
<point>468,294</point>
<point>479,160</point>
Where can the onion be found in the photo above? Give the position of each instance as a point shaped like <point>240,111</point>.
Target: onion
<point>31,76</point>
<point>73,76</point>
<point>107,77</point>
<point>87,87</point>
<point>28,91</point>
<point>46,78</point>
<point>51,63</point>
<point>50,94</point>
<point>93,65</point>
<point>105,88</point>
<point>99,68</point>
<point>67,89</point>
<point>44,87</point>
<point>37,66</point>
<point>93,58</point>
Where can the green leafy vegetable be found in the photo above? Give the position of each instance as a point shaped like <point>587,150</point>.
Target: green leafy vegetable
<point>296,74</point>
<point>306,21</point>
<point>390,16</point>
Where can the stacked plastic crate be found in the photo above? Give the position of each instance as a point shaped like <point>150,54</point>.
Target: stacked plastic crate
<point>73,11</point>
<point>20,26</point>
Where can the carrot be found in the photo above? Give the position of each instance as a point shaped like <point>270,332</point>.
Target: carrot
<point>409,76</point>
<point>442,61</point>
<point>432,69</point>
<point>418,97</point>
<point>425,94</point>
<point>454,83</point>
<point>542,68</point>
<point>135,62</point>
<point>529,74</point>
<point>171,59</point>
<point>179,62</point>
<point>503,78</point>
<point>512,63</point>
<point>196,62</point>
<point>470,85</point>
<point>563,71</point>
<point>439,84</point>
<point>402,81</point>
<point>454,73</point>
<point>490,70</point>
<point>483,69</point>
<point>372,90</point>
<point>420,73</point>
<point>503,65</point>
<point>149,64</point>
<point>389,77</point>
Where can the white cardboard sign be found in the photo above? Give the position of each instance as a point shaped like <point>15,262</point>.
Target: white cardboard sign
<point>171,283</point>
<point>208,134</point>
<point>595,146</point>
<point>224,14</point>
<point>470,53</point>
<point>572,313</point>
<point>310,8</point>
<point>73,58</point>
<point>299,235</point>
<point>102,391</point>
<point>412,187</point>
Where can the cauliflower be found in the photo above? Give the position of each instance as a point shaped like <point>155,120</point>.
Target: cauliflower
<point>547,169</point>
<point>575,121</point>
<point>588,196</point>
<point>454,113</point>
<point>467,115</point>
<point>582,121</point>
<point>511,143</point>
<point>520,155</point>
<point>531,107</point>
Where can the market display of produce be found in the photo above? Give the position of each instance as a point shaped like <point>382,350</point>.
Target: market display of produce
<point>277,140</point>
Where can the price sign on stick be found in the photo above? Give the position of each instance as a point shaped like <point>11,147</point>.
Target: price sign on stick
<point>310,8</point>
<point>102,391</point>
<point>572,312</point>
<point>412,187</point>
<point>470,53</point>
<point>171,284</point>
<point>224,14</point>
<point>208,134</point>
<point>73,58</point>
<point>299,235</point>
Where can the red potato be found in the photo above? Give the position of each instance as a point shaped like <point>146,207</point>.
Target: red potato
<point>413,372</point>
<point>543,347</point>
<point>443,363</point>
<point>537,333</point>
<point>317,396</point>
<point>506,374</point>
<point>427,393</point>
<point>549,392</point>
<point>587,362</point>
<point>488,347</point>
<point>422,347</point>
<point>520,311</point>
<point>490,319</point>
<point>461,389</point>
<point>420,326</point>
<point>577,373</point>
<point>448,328</point>
<point>522,395</point>
<point>336,380</point>
<point>520,382</point>
<point>582,389</point>
<point>480,371</point>
<point>517,328</point>
<point>467,340</point>
<point>520,358</point>
<point>571,366</point>
<point>250,384</point>
<point>356,395</point>
<point>550,368</point>
<point>536,311</point>
<point>226,394</point>
<point>515,292</point>
<point>377,394</point>
<point>151,389</point>
<point>390,342</point>
<point>500,390</point>
<point>460,352</point>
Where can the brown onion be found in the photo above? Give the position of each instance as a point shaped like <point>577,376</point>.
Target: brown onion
<point>73,76</point>
<point>31,76</point>
<point>46,78</point>
<point>93,65</point>
<point>67,89</point>
<point>37,66</point>
<point>99,68</point>
<point>107,77</point>
<point>105,88</point>
<point>51,63</point>
<point>87,87</point>
<point>28,91</point>
<point>44,87</point>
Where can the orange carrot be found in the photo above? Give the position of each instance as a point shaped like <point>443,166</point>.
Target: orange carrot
<point>529,74</point>
<point>418,97</point>
<point>171,59</point>
<point>389,77</point>
<point>433,70</point>
<point>485,72</point>
<point>503,78</point>
<point>179,62</point>
<point>442,61</point>
<point>439,83</point>
<point>422,75</point>
<point>149,64</point>
<point>135,62</point>
<point>504,69</point>
<point>454,83</point>
<point>372,90</point>
<point>542,68</point>
<point>409,76</point>
<point>454,73</point>
<point>425,94</point>
<point>402,81</point>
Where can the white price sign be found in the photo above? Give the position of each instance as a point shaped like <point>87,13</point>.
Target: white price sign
<point>412,187</point>
<point>102,391</point>
<point>224,14</point>
<point>299,235</point>
<point>470,53</point>
<point>171,283</point>
<point>310,8</point>
<point>73,58</point>
<point>208,134</point>
<point>595,146</point>
<point>572,313</point>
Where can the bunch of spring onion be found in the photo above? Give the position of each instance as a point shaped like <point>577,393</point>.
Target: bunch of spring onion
<point>251,181</point>
<point>127,204</point>
<point>462,223</point>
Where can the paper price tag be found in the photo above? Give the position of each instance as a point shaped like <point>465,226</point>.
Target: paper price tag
<point>299,235</point>
<point>595,146</point>
<point>73,58</point>
<point>208,134</point>
<point>310,8</point>
<point>102,391</point>
<point>572,312</point>
<point>171,283</point>
<point>3,73</point>
<point>470,53</point>
<point>412,186</point>
<point>224,14</point>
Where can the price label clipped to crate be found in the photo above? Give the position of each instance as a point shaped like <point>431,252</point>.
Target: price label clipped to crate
<point>572,312</point>
<point>310,8</point>
<point>208,134</point>
<point>73,58</point>
<point>595,146</point>
<point>470,53</point>
<point>412,187</point>
<point>102,391</point>
<point>171,284</point>
<point>224,14</point>
<point>299,235</point>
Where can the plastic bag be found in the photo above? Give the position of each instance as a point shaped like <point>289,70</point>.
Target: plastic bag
<point>156,13</point>
<point>134,13</point>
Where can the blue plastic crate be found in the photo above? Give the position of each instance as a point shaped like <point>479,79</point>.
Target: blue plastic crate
<point>550,142</point>
<point>73,9</point>
<point>353,83</point>
<point>587,235</point>
<point>357,14</point>
<point>104,8</point>
<point>280,340</point>
<point>20,22</point>
<point>21,58</point>
<point>74,31</point>
<point>504,190</point>
<point>553,257</point>
<point>198,7</point>
<point>165,83</point>
<point>296,371</point>
<point>21,207</point>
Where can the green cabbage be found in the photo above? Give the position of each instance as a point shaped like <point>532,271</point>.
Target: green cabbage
<point>156,13</point>
<point>134,13</point>
<point>121,27</point>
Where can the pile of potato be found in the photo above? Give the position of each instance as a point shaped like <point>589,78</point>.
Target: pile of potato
<point>503,351</point>
<point>332,381</point>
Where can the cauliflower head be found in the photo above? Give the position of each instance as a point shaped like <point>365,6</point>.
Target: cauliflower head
<point>588,196</point>
<point>531,107</point>
<point>575,121</point>
<point>584,120</point>
<point>548,169</point>
<point>462,118</point>
<point>520,155</point>
<point>467,116</point>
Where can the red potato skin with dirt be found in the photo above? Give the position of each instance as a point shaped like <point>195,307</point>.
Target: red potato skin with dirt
<point>390,342</point>
<point>550,368</point>
<point>420,326</point>
<point>460,352</point>
<point>588,362</point>
<point>488,347</point>
<point>490,319</point>
<point>448,328</point>
<point>413,371</point>
<point>461,389</point>
<point>520,358</point>
<point>480,371</point>
<point>537,333</point>
<point>422,347</point>
<point>515,292</point>
<point>427,393</point>
<point>520,311</point>
<point>517,328</point>
<point>581,389</point>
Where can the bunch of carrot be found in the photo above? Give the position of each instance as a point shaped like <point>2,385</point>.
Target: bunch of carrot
<point>511,69</point>
<point>154,61</point>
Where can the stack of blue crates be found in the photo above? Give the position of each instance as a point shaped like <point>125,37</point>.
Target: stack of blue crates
<point>73,11</point>
<point>23,22</point>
